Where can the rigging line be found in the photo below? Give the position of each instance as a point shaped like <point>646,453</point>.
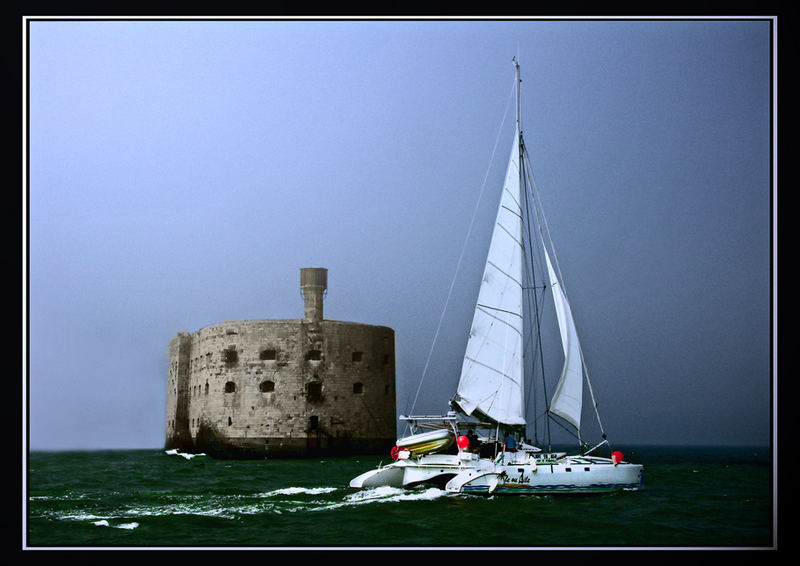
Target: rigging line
<point>563,288</point>
<point>538,209</point>
<point>537,309</point>
<point>463,249</point>
<point>570,429</point>
<point>535,352</point>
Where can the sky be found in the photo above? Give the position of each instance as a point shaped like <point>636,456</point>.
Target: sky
<point>180,173</point>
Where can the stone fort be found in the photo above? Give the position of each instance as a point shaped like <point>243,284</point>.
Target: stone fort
<point>283,388</point>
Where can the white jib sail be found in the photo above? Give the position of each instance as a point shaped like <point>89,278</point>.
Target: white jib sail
<point>568,398</point>
<point>491,375</point>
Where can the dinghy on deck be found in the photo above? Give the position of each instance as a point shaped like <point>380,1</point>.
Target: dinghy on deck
<point>423,443</point>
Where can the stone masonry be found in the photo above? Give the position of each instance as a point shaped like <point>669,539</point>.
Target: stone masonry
<point>283,388</point>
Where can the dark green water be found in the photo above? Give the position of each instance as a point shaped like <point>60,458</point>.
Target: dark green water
<point>693,497</point>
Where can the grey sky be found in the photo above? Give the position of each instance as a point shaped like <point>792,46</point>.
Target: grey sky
<point>181,173</point>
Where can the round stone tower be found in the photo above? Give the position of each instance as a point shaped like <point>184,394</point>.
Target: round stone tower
<point>313,284</point>
<point>283,388</point>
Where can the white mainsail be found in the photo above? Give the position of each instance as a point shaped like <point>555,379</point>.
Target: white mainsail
<point>568,398</point>
<point>492,374</point>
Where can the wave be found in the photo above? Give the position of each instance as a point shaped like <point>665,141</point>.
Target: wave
<point>298,491</point>
<point>234,506</point>
<point>385,494</point>
<point>175,452</point>
<point>104,523</point>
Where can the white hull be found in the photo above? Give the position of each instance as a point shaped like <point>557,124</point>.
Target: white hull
<point>511,473</point>
<point>575,475</point>
<point>432,469</point>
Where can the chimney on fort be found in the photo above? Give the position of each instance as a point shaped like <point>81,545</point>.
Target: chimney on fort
<point>313,285</point>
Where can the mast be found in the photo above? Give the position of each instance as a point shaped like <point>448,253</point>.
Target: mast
<point>522,188</point>
<point>532,290</point>
<point>519,94</point>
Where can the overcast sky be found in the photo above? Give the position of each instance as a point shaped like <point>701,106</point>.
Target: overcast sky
<point>181,173</point>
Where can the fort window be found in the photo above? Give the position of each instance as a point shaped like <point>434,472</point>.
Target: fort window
<point>231,356</point>
<point>313,423</point>
<point>230,387</point>
<point>357,356</point>
<point>267,386</point>
<point>314,391</point>
<point>358,388</point>
<point>269,354</point>
<point>206,388</point>
<point>314,355</point>
<point>230,422</point>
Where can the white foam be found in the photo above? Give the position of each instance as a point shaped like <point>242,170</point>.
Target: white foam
<point>76,516</point>
<point>104,523</point>
<point>280,501</point>
<point>174,452</point>
<point>299,490</point>
<point>384,494</point>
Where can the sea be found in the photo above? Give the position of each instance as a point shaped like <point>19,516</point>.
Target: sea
<point>693,498</point>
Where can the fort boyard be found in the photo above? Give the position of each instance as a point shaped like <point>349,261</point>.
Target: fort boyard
<point>283,388</point>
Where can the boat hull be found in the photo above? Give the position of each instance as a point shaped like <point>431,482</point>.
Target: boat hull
<point>518,474</point>
<point>389,476</point>
<point>432,469</point>
<point>551,478</point>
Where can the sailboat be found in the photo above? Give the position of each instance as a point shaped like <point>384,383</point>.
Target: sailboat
<point>490,397</point>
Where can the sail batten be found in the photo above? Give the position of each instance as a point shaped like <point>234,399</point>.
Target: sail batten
<point>510,277</point>
<point>510,378</point>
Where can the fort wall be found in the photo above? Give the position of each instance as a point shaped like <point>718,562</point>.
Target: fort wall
<point>282,388</point>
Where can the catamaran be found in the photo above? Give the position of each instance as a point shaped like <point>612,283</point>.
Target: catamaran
<point>490,397</point>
